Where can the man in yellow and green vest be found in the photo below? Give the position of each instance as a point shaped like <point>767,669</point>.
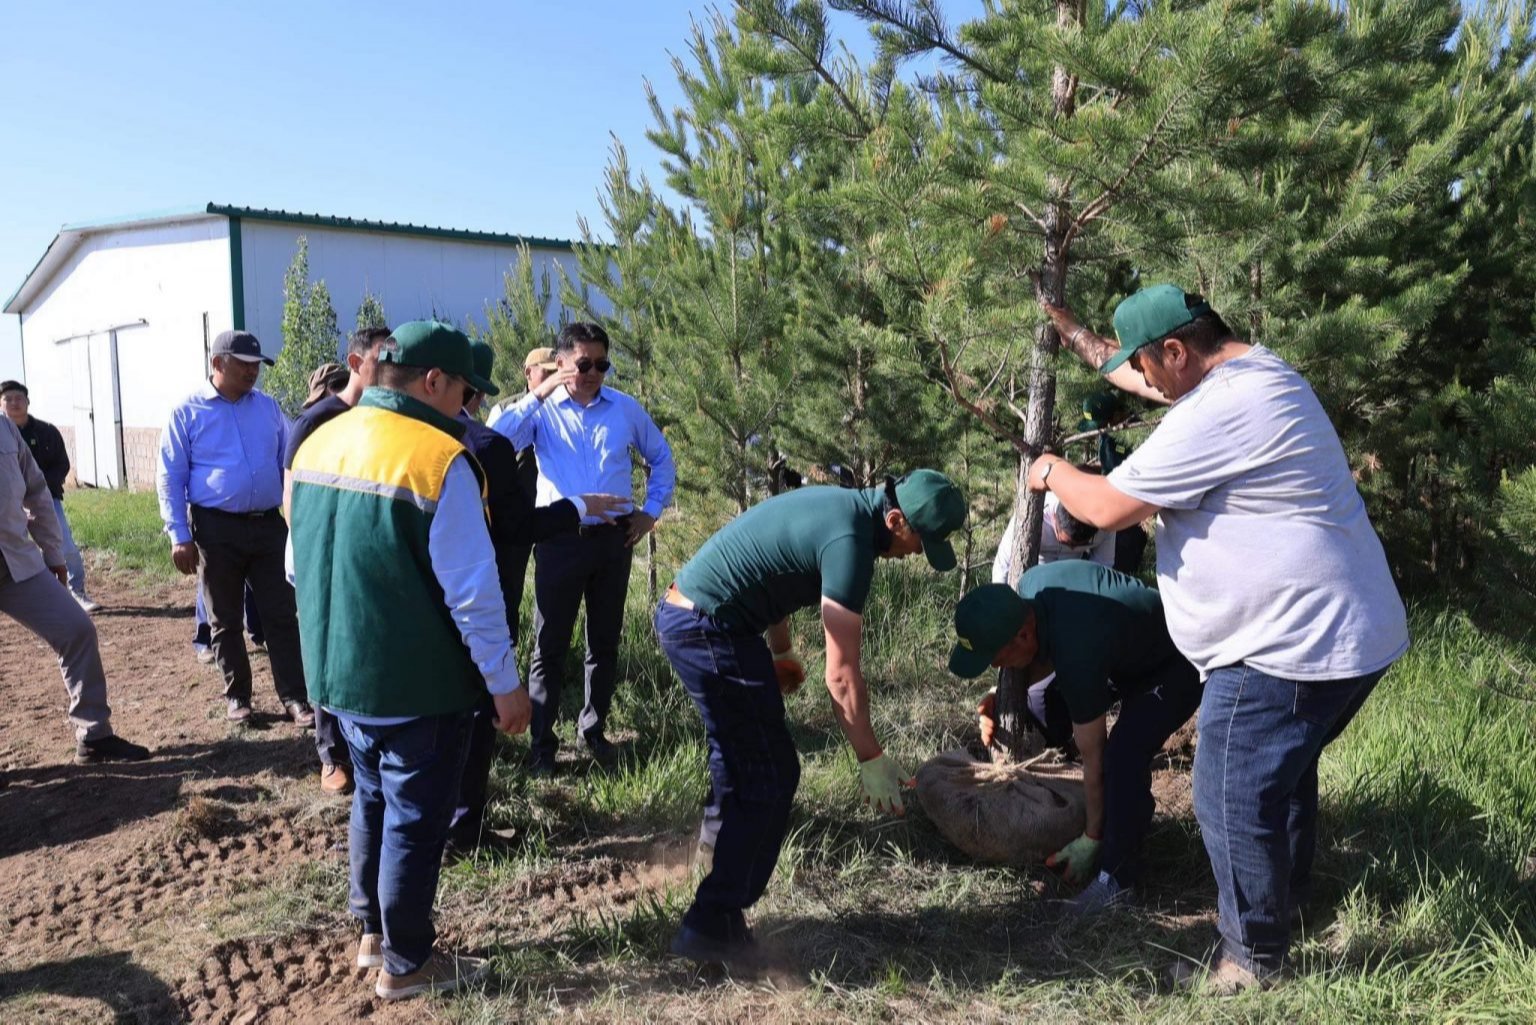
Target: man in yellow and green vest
<point>404,628</point>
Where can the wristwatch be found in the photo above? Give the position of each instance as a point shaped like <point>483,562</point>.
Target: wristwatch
<point>1045,475</point>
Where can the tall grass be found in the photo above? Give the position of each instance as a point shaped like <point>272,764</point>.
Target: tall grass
<point>120,530</point>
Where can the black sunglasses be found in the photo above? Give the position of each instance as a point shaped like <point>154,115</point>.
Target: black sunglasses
<point>602,365</point>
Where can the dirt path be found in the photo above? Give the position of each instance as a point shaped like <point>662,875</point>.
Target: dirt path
<point>118,884</point>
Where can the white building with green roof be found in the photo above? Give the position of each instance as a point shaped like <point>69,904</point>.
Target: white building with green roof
<point>117,315</point>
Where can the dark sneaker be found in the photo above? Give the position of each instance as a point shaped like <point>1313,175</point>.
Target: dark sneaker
<point>299,711</point>
<point>259,644</point>
<point>108,749</point>
<point>238,710</point>
<point>695,946</point>
<point>603,751</point>
<point>443,973</point>
<point>540,765</point>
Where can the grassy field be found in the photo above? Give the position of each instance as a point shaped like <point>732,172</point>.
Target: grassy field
<point>1426,909</point>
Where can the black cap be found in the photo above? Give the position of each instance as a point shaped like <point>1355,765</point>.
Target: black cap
<point>239,344</point>
<point>6,386</point>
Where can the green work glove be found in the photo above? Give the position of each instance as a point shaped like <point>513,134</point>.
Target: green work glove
<point>1077,860</point>
<point>882,781</point>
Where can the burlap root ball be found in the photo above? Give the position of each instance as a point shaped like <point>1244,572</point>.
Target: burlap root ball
<point>1002,814</point>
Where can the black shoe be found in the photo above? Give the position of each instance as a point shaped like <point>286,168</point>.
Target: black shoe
<point>541,766</point>
<point>299,711</point>
<point>237,710</point>
<point>695,946</point>
<point>603,751</point>
<point>108,749</point>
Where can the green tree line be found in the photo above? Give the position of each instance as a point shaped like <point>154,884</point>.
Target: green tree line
<point>845,260</point>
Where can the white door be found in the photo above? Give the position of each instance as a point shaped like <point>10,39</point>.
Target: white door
<point>85,427</point>
<point>98,426</point>
<point>106,416</point>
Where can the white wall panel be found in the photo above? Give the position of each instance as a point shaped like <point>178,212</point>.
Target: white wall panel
<point>412,275</point>
<point>167,275</point>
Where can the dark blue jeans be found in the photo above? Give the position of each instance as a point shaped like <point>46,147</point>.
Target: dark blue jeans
<point>407,777</point>
<point>1255,792</point>
<point>753,766</point>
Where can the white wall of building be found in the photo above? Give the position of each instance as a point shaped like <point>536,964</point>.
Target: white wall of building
<point>414,276</point>
<point>169,276</point>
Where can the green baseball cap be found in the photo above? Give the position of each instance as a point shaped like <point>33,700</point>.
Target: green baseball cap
<point>1151,315</point>
<point>935,508</point>
<point>985,620</point>
<point>431,343</point>
<point>485,361</point>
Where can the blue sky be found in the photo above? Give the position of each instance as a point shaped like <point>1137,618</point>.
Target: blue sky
<point>493,116</point>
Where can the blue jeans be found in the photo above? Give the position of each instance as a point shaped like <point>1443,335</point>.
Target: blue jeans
<point>72,560</point>
<point>407,776</point>
<point>1255,791</point>
<point>753,766</point>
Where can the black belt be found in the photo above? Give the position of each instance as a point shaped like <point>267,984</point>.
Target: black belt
<point>260,514</point>
<point>598,529</point>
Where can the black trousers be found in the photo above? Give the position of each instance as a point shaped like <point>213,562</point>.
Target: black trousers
<point>1167,696</point>
<point>593,567</point>
<point>236,550</point>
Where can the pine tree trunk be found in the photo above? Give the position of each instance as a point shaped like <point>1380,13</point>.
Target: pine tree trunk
<point>1012,691</point>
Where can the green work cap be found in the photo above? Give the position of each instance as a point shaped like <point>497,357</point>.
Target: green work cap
<point>985,620</point>
<point>431,343</point>
<point>485,361</point>
<point>935,509</point>
<point>1101,407</point>
<point>1150,316</point>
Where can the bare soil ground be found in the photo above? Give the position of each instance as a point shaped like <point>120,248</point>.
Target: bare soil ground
<point>141,892</point>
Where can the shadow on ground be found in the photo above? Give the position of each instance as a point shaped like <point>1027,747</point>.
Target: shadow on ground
<point>52,805</point>
<point>129,992</point>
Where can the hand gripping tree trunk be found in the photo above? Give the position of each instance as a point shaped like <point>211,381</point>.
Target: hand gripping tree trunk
<point>1012,706</point>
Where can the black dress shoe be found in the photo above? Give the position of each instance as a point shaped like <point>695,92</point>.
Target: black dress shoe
<point>541,766</point>
<point>108,749</point>
<point>603,751</point>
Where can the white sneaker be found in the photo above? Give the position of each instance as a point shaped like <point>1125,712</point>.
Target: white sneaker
<point>86,603</point>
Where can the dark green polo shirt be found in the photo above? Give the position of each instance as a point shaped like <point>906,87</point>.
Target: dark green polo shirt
<point>786,554</point>
<point>1099,628</point>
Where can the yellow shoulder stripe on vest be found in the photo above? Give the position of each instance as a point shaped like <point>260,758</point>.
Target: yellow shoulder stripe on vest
<point>380,451</point>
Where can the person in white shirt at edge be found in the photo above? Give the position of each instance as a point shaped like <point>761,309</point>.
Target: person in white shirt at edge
<point>581,432</point>
<point>1275,584</point>
<point>1064,536</point>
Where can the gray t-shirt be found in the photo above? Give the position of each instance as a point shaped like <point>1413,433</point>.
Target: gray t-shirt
<point>1265,554</point>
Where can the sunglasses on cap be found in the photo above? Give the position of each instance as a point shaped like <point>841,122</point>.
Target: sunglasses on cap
<point>601,365</point>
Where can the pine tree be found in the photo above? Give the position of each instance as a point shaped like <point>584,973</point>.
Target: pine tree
<point>1130,140</point>
<point>519,321</point>
<point>310,336</point>
<point>370,313</point>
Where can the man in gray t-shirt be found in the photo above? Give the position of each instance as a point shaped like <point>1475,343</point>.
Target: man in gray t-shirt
<point>1275,586</point>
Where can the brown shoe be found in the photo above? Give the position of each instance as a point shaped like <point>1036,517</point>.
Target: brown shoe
<point>443,973</point>
<point>302,715</point>
<point>238,711</point>
<point>335,780</point>
<point>1222,978</point>
<point>370,951</point>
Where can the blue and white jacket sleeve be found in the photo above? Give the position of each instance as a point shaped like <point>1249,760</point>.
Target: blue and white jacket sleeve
<point>464,563</point>
<point>516,422</point>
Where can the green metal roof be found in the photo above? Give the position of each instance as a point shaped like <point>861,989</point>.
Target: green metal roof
<point>252,213</point>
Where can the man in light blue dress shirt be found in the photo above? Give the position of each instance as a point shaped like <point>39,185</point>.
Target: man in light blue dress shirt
<point>220,482</point>
<point>582,434</point>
